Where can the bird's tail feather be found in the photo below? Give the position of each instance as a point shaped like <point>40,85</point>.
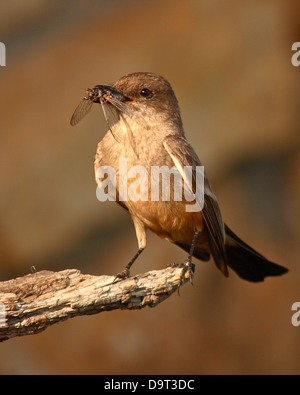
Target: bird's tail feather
<point>248,263</point>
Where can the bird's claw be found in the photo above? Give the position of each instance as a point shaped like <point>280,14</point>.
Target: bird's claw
<point>187,267</point>
<point>123,275</point>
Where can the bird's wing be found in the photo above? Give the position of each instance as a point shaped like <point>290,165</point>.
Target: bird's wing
<point>183,155</point>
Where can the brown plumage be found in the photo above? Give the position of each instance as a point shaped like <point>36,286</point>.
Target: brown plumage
<point>146,129</point>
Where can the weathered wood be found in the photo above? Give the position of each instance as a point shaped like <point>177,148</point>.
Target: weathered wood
<point>38,300</point>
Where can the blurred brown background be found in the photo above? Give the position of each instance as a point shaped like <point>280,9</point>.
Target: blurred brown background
<point>230,66</point>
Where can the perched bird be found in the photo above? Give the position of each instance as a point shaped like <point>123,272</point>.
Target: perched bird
<point>146,130</point>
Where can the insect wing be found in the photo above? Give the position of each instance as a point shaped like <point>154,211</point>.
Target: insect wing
<point>81,110</point>
<point>118,104</point>
<point>112,119</point>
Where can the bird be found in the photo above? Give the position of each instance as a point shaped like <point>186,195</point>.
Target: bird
<point>146,130</point>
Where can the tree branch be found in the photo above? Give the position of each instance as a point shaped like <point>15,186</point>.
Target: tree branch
<point>30,304</point>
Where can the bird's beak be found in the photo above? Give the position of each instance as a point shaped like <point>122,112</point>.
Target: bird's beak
<point>110,94</point>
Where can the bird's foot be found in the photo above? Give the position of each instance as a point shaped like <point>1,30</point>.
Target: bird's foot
<point>125,273</point>
<point>187,267</point>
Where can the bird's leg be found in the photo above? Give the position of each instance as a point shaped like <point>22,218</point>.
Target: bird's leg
<point>141,237</point>
<point>194,242</point>
<point>188,265</point>
<point>125,273</point>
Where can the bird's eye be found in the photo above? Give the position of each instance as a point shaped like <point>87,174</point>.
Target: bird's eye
<point>146,93</point>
